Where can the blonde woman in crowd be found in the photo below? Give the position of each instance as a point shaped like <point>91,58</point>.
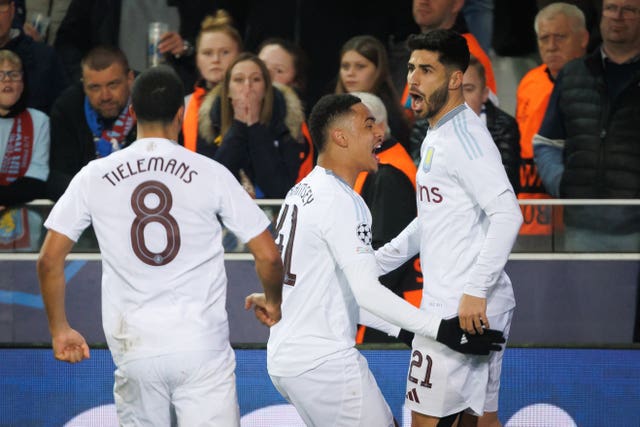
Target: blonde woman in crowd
<point>217,45</point>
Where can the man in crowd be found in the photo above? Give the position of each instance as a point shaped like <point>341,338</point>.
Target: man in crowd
<point>562,36</point>
<point>91,119</point>
<point>587,146</point>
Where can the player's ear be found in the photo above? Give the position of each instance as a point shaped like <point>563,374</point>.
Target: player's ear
<point>133,113</point>
<point>455,80</point>
<point>179,116</point>
<point>339,137</point>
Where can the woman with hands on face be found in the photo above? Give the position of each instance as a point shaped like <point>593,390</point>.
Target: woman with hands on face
<point>253,128</point>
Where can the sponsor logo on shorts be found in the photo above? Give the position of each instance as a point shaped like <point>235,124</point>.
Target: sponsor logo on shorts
<point>412,395</point>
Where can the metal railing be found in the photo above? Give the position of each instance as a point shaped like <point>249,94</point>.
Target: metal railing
<point>615,234</point>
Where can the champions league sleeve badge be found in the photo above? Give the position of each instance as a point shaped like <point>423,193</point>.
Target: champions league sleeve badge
<point>363,232</point>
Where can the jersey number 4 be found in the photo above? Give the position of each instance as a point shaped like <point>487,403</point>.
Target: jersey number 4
<point>147,214</point>
<point>289,277</point>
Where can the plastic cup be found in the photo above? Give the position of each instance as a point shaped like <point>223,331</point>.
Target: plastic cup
<point>156,30</point>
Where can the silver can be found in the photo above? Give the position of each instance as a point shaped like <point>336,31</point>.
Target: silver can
<point>156,30</point>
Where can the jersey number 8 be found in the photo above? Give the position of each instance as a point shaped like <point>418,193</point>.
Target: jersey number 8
<point>146,215</point>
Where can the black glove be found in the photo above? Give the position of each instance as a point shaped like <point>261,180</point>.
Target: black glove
<point>406,337</point>
<point>451,335</point>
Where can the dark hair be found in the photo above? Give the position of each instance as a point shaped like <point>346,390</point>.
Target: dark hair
<point>325,112</point>
<point>300,60</point>
<point>103,56</point>
<point>373,50</point>
<point>157,95</point>
<point>451,46</point>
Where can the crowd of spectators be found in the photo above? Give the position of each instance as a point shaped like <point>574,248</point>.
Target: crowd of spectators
<point>250,82</point>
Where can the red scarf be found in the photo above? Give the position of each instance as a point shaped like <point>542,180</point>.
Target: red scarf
<point>17,156</point>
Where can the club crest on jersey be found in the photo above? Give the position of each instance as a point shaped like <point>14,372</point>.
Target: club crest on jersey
<point>363,232</point>
<point>428,157</point>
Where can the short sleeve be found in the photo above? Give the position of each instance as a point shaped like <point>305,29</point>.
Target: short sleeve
<point>238,211</point>
<point>71,214</point>
<point>347,229</point>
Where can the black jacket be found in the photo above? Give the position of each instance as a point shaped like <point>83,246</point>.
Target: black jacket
<point>504,130</point>
<point>72,144</point>
<point>268,154</point>
<point>602,147</point>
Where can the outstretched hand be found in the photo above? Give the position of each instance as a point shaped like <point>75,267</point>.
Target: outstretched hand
<point>268,314</point>
<point>451,335</point>
<point>70,346</point>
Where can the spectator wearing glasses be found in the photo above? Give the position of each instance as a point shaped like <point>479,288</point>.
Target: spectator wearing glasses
<point>44,72</point>
<point>91,119</point>
<point>24,139</point>
<point>588,144</point>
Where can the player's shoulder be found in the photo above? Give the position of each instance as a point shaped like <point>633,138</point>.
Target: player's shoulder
<point>326,193</point>
<point>467,134</point>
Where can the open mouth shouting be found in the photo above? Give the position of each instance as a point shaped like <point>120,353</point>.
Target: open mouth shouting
<point>418,103</point>
<point>375,151</point>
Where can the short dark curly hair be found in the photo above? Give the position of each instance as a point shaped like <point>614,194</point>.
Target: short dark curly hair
<point>452,48</point>
<point>157,95</point>
<point>325,112</point>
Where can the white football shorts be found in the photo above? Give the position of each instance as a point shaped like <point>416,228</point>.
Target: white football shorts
<point>201,386</point>
<point>340,392</point>
<point>441,381</point>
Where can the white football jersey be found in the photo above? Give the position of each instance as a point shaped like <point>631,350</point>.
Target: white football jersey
<point>460,172</point>
<point>154,207</point>
<point>323,226</point>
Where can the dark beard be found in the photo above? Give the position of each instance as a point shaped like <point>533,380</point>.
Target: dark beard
<point>437,100</point>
